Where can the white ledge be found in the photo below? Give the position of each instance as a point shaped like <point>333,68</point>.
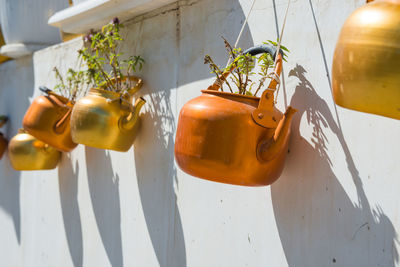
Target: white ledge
<point>93,14</point>
<point>20,49</point>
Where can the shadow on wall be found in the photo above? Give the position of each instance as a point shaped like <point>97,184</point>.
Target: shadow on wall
<point>318,223</point>
<point>154,147</point>
<point>9,193</point>
<point>68,185</point>
<point>156,175</point>
<point>104,193</point>
<point>14,100</point>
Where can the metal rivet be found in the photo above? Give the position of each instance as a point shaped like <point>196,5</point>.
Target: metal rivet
<point>260,115</point>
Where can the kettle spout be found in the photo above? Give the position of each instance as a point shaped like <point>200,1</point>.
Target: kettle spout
<point>128,122</point>
<point>269,149</point>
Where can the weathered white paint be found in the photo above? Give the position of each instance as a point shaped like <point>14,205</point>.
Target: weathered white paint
<point>336,203</point>
<point>24,25</point>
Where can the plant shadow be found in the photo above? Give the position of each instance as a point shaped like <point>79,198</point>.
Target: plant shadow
<point>174,59</point>
<point>13,91</point>
<point>104,194</point>
<point>10,193</point>
<point>157,178</point>
<point>68,186</point>
<point>318,223</point>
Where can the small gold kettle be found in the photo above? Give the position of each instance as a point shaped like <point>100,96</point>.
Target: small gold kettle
<point>28,153</point>
<point>106,119</point>
<point>366,63</point>
<point>48,119</point>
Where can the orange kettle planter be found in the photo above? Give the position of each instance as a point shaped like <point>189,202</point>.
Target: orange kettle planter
<point>48,119</point>
<point>232,138</point>
<point>107,119</point>
<point>366,63</point>
<point>28,153</point>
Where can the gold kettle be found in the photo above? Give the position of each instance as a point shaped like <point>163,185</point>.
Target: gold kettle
<point>28,153</point>
<point>366,63</point>
<point>106,119</point>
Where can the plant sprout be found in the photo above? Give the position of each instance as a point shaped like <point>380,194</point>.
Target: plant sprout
<point>242,69</point>
<point>75,83</point>
<point>105,68</point>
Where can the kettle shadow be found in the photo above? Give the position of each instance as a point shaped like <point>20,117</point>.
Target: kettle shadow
<point>104,194</point>
<point>9,193</point>
<point>157,178</point>
<point>318,223</point>
<point>68,186</point>
<point>13,91</point>
<point>154,147</point>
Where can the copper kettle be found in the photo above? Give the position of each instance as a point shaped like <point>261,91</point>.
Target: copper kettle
<point>366,63</point>
<point>48,119</point>
<point>28,153</point>
<point>232,138</point>
<point>106,119</point>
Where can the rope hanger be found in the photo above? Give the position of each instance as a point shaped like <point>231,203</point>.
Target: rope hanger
<point>241,31</point>
<point>279,46</point>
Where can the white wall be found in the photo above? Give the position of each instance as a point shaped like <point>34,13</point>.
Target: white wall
<point>336,204</point>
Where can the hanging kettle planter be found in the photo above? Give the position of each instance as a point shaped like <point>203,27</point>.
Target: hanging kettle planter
<point>366,63</point>
<point>3,140</point>
<point>107,119</point>
<point>233,138</point>
<point>28,153</point>
<point>48,119</point>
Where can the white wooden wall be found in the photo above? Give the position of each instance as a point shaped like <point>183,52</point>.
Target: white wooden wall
<point>336,204</point>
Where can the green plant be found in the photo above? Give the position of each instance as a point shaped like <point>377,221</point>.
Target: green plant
<point>105,66</point>
<point>75,83</point>
<point>242,69</point>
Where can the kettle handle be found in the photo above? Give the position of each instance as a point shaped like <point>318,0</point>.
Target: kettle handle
<point>263,115</point>
<point>261,49</point>
<point>60,125</point>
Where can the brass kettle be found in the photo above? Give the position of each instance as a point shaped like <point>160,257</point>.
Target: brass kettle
<point>106,119</point>
<point>28,153</point>
<point>48,119</point>
<point>232,138</point>
<point>366,63</point>
<point>3,140</point>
